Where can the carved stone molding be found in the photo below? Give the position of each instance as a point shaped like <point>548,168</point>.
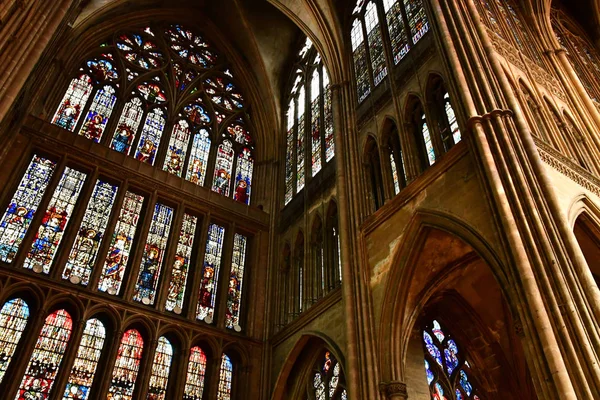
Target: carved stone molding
<point>394,390</point>
<point>568,168</point>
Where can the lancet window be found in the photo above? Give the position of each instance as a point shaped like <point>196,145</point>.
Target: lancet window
<point>180,108</point>
<point>161,367</point>
<point>225,378</point>
<point>13,320</point>
<point>309,122</point>
<point>446,366</point>
<point>406,23</point>
<point>127,366</point>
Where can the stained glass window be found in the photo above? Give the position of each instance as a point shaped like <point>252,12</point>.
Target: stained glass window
<point>128,126</point>
<point>454,129</point>
<point>98,114</point>
<point>210,273</point>
<point>395,176</point>
<point>300,142</point>
<point>23,206</point>
<point>181,265</point>
<point>84,366</point>
<point>13,319</point>
<point>127,366</point>
<point>395,22</point>
<point>315,114</point>
<point>160,370</point>
<point>449,370</point>
<point>328,119</point>
<point>225,378</point>
<point>150,136</point>
<point>289,154</point>
<point>327,381</point>
<point>194,381</point>
<point>359,55</point>
<point>236,280</point>
<point>417,19</point>
<point>243,176</point>
<point>70,108</point>
<point>154,252</point>
<point>120,245</point>
<point>428,143</point>
<point>199,157</point>
<point>375,43</point>
<point>47,356</point>
<point>87,243</point>
<point>177,148</point>
<point>55,220</point>
<point>223,166</point>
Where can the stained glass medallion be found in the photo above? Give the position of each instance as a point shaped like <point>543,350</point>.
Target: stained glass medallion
<point>70,108</point>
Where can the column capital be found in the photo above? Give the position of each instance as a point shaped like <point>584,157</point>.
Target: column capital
<point>394,390</point>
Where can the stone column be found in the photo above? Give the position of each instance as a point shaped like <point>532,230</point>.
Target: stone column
<point>393,390</point>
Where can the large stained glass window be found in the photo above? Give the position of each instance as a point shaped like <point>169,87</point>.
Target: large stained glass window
<point>130,120</point>
<point>181,265</point>
<point>194,381</point>
<point>359,55</point>
<point>154,253</point>
<point>150,136</point>
<point>395,22</point>
<point>127,366</point>
<point>236,280</point>
<point>430,151</point>
<point>327,381</point>
<point>375,44</point>
<point>177,148</point>
<point>87,243</point>
<point>223,167</point>
<point>454,129</point>
<point>47,356</point>
<point>243,176</point>
<point>70,108</point>
<point>13,320</point>
<point>315,125</point>
<point>55,220</point>
<point>225,378</point>
<point>120,245</point>
<point>98,114</point>
<point>23,206</point>
<point>198,162</point>
<point>171,77</point>
<point>289,154</point>
<point>446,367</point>
<point>300,173</point>
<point>161,368</point>
<point>210,273</point>
<point>84,366</point>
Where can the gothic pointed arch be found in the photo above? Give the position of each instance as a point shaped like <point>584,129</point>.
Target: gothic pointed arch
<point>373,175</point>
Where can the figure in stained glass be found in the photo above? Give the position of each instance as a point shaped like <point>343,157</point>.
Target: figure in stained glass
<point>126,367</point>
<point>73,102</point>
<point>13,319</point>
<point>236,280</point>
<point>194,381</point>
<point>179,272</point>
<point>210,273</point>
<point>23,206</point>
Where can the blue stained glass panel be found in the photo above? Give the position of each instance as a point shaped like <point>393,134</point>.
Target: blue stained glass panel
<point>98,114</point>
<point>23,206</point>
<point>243,178</point>
<point>150,137</point>
<point>210,273</point>
<point>432,348</point>
<point>464,382</point>
<point>69,111</point>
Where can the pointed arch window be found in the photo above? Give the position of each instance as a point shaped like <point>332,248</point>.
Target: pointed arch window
<point>309,122</point>
<point>194,381</point>
<point>163,76</point>
<point>210,274</point>
<point>446,367</point>
<point>375,43</point>
<point>85,364</point>
<point>451,119</point>
<point>236,283</point>
<point>13,320</point>
<point>161,367</point>
<point>225,378</point>
<point>243,177</point>
<point>47,356</point>
<point>120,245</point>
<point>90,233</point>
<point>359,55</point>
<point>396,29</point>
<point>127,366</point>
<point>181,265</point>
<point>153,255</point>
<point>55,220</point>
<point>23,206</point>
<point>327,381</point>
